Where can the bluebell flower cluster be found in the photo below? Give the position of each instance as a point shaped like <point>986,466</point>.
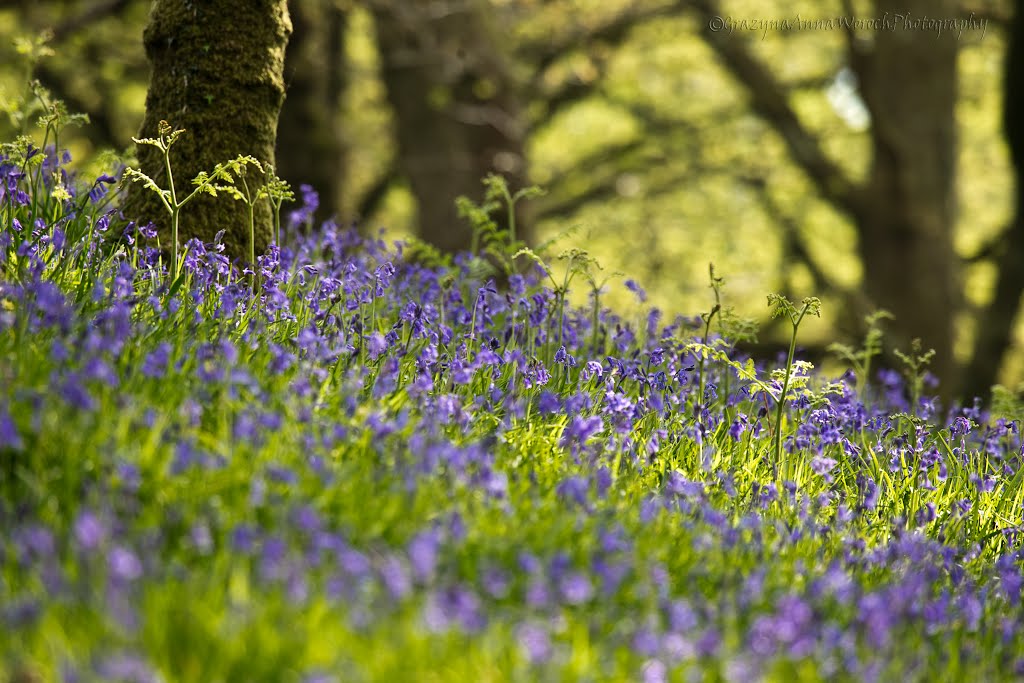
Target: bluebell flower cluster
<point>341,465</point>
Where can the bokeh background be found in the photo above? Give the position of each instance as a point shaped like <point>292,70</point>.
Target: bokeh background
<point>667,134</point>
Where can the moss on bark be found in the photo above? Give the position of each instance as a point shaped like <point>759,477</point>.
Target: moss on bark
<point>217,72</point>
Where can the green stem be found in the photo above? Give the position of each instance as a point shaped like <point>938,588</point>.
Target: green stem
<point>174,239</point>
<point>249,203</point>
<point>781,404</point>
<point>174,206</point>
<point>277,222</point>
<point>700,365</point>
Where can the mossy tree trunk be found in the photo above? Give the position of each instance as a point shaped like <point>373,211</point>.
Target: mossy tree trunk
<point>218,73</point>
<point>311,146</point>
<point>456,110</point>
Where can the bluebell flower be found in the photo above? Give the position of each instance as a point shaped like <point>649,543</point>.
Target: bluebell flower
<point>580,429</point>
<point>576,588</point>
<point>21,613</point>
<point>76,394</point>
<point>89,531</point>
<point>423,551</point>
<point>563,357</point>
<point>548,403</point>
<point>573,489</point>
<point>961,426</point>
<point>632,286</point>
<point>201,538</point>
<point>9,434</point>
<point>538,594</point>
<point>654,671</point>
<point>124,564</point>
<point>243,538</point>
<point>376,344</point>
<point>355,563</point>
<point>99,187</point>
<point>1010,579</point>
<point>677,484</point>
<point>738,426</point>
<point>645,641</point>
<point>497,583</point>
<point>823,466</point>
<point>535,641</point>
<point>395,575</point>
<point>304,214</point>
<point>382,276</point>
<point>126,668</point>
<point>982,484</point>
<point>456,606</point>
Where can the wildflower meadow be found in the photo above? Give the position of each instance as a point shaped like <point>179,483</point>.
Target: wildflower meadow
<point>360,461</point>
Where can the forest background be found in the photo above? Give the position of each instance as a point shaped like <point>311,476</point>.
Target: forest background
<point>862,152</point>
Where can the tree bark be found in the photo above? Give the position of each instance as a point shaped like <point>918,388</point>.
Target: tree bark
<point>995,326</point>
<point>217,72</point>
<point>456,110</point>
<point>907,211</point>
<point>311,146</point>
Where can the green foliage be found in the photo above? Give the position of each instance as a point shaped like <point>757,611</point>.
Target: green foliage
<point>222,179</point>
<point>860,359</point>
<point>731,327</point>
<point>277,192</point>
<point>29,51</point>
<point>1008,403</point>
<point>781,306</point>
<point>424,253</point>
<point>915,364</point>
<point>46,206</point>
<point>499,244</point>
<point>250,461</point>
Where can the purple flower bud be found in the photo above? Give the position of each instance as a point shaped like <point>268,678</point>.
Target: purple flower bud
<point>124,564</point>
<point>576,588</point>
<point>89,531</point>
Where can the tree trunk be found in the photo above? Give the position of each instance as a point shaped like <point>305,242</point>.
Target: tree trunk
<point>907,210</point>
<point>217,72</point>
<point>310,144</point>
<point>995,326</point>
<point>456,110</point>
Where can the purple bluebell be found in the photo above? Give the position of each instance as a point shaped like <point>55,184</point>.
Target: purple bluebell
<point>423,552</point>
<point>124,564</point>
<point>89,531</point>
<point>574,489</point>
<point>10,437</point>
<point>535,641</point>
<point>580,429</point>
<point>576,588</point>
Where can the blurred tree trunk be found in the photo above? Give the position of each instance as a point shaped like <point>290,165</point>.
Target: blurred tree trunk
<point>995,326</point>
<point>310,143</point>
<point>907,212</point>
<point>456,110</point>
<point>217,72</point>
